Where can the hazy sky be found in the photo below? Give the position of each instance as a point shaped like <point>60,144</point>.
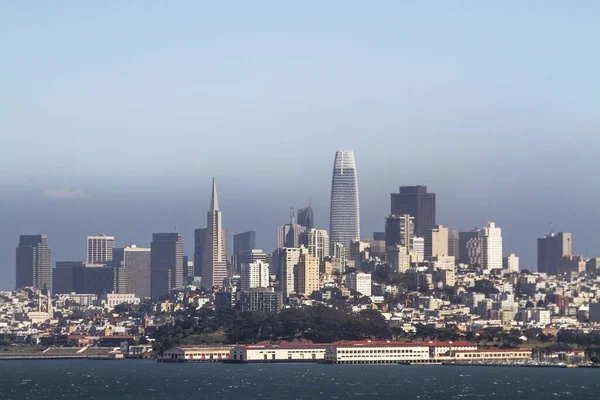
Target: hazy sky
<point>114,116</point>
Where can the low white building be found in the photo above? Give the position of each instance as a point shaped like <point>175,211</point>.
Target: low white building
<point>278,353</point>
<point>196,354</point>
<point>110,300</point>
<point>361,282</point>
<point>376,353</point>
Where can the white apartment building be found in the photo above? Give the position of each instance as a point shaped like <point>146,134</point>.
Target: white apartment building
<point>318,243</point>
<point>110,300</point>
<point>491,246</point>
<point>100,248</point>
<point>254,275</point>
<point>289,258</point>
<point>511,263</point>
<point>278,353</point>
<point>360,282</point>
<point>418,249</point>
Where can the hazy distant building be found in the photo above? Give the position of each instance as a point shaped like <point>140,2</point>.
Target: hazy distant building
<point>214,268</point>
<point>307,274</point>
<point>33,266</point>
<point>551,249</point>
<point>306,218</point>
<point>453,243</point>
<point>417,202</point>
<point>62,276</point>
<point>511,263</point>
<point>94,279</point>
<point>344,222</point>
<point>100,248</point>
<point>436,241</point>
<point>199,245</point>
<point>491,246</point>
<point>254,275</point>
<point>379,236</point>
<point>465,253</point>
<point>133,268</point>
<point>317,242</point>
<point>166,263</point>
<point>288,235</point>
<point>399,231</point>
<point>244,242</point>
<point>571,265</point>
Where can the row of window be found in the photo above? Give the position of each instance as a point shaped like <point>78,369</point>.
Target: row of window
<point>387,351</point>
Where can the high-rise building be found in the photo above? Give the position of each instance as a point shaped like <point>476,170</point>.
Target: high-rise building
<point>100,248</point>
<point>551,250</point>
<point>474,249</point>
<point>133,267</point>
<point>415,201</point>
<point>344,222</point>
<point>263,300</point>
<point>254,275</point>
<point>214,267</point>
<point>94,279</point>
<point>306,218</point>
<point>360,282</point>
<point>436,241</point>
<point>244,242</point>
<point>166,263</point>
<point>453,243</point>
<point>491,246</point>
<point>465,251</point>
<point>199,246</point>
<point>317,243</point>
<point>252,256</point>
<point>398,258</point>
<point>399,231</point>
<point>418,249</point>
<point>288,258</point>
<point>307,274</point>
<point>288,235</point>
<point>33,266</point>
<point>62,276</point>
<point>339,258</point>
<point>511,263</point>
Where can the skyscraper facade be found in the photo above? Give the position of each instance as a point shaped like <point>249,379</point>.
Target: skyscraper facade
<point>33,262</point>
<point>491,246</point>
<point>133,267</point>
<point>399,231</point>
<point>199,246</point>
<point>306,218</point>
<point>453,244</point>
<point>551,249</point>
<point>166,263</point>
<point>436,241</point>
<point>307,275</point>
<point>214,267</point>
<point>100,248</point>
<point>466,246</point>
<point>288,258</point>
<point>344,222</point>
<point>417,202</point>
<point>288,235</point>
<point>254,275</point>
<point>317,242</point>
<point>244,242</point>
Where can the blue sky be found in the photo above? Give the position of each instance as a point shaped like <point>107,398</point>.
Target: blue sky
<point>114,117</point>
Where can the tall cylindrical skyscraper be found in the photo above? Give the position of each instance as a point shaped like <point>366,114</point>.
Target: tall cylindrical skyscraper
<point>344,217</point>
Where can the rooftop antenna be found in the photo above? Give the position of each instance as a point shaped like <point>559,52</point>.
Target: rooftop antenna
<point>550,228</point>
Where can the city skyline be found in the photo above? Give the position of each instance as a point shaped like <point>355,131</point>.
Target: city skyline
<point>424,93</point>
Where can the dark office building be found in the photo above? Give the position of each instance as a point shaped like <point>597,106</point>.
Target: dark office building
<point>415,201</point>
<point>453,244</point>
<point>244,242</point>
<point>33,266</point>
<point>62,276</point>
<point>94,280</point>
<point>166,263</point>
<point>399,231</point>
<point>379,236</point>
<point>132,265</point>
<point>225,300</point>
<point>306,218</point>
<point>199,243</point>
<point>551,250</point>
<point>262,300</point>
<point>463,249</point>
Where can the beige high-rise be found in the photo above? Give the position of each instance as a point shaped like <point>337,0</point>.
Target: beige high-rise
<point>307,271</point>
<point>436,242</point>
<point>214,267</point>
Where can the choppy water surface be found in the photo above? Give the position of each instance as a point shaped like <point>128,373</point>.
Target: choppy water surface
<point>83,379</point>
